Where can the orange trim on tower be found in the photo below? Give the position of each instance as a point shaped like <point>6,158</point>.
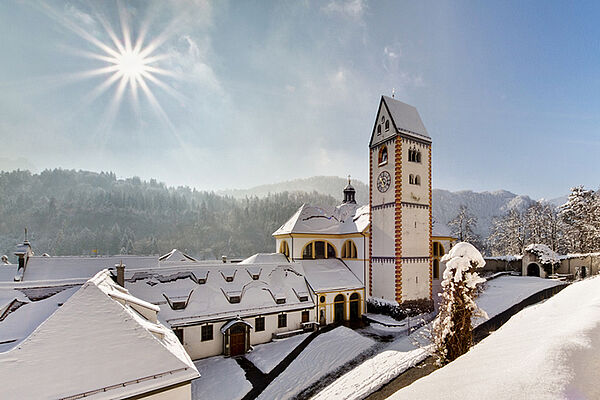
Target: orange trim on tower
<point>370,220</point>
<point>430,230</point>
<point>398,218</point>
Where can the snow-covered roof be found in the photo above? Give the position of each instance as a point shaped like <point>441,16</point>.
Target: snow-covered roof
<point>96,345</point>
<point>546,351</point>
<point>405,116</point>
<point>329,274</point>
<point>8,272</point>
<point>343,219</point>
<point>509,258</point>
<point>274,289</point>
<point>265,258</point>
<point>545,254</point>
<point>75,268</point>
<point>176,255</point>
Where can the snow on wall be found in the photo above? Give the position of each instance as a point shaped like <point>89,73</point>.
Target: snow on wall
<point>544,253</point>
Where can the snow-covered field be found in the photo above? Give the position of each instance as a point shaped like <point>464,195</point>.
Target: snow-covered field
<point>505,291</point>
<point>323,355</point>
<point>220,378</point>
<point>547,351</point>
<point>266,356</point>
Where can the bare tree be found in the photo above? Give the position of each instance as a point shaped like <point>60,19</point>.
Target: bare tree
<point>463,225</point>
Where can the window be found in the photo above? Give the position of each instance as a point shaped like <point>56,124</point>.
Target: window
<point>179,334</point>
<point>282,320</point>
<point>284,248</point>
<point>305,316</point>
<point>322,299</point>
<point>349,249</point>
<point>379,129</point>
<point>383,155</point>
<point>414,155</point>
<point>382,118</point>
<point>319,249</point>
<point>417,180</point>
<point>411,179</point>
<point>438,249</point>
<point>206,333</point>
<point>259,324</point>
<point>387,125</point>
<point>436,269</point>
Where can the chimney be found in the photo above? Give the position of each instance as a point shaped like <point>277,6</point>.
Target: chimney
<point>120,274</point>
<point>23,252</point>
<point>224,258</point>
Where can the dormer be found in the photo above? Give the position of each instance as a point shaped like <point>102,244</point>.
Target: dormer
<point>301,294</point>
<point>254,272</point>
<point>233,296</point>
<point>228,275</point>
<point>178,300</point>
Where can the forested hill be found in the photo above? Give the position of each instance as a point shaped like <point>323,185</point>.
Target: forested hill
<point>77,212</point>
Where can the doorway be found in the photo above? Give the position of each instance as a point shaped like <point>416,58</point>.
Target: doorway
<point>237,339</point>
<point>339,308</point>
<point>533,270</point>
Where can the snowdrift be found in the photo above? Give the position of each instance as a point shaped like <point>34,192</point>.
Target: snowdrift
<point>547,351</point>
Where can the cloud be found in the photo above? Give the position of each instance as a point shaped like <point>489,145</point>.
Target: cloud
<point>353,9</point>
<point>80,17</point>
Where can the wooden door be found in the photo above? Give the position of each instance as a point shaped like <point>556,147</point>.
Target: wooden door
<point>237,340</point>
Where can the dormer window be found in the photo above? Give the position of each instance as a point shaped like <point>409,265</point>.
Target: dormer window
<point>234,299</point>
<point>280,300</point>
<point>228,275</point>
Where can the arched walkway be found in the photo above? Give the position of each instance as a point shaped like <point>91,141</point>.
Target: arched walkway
<point>533,270</point>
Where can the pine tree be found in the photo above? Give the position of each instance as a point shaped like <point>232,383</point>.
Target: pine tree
<point>451,331</point>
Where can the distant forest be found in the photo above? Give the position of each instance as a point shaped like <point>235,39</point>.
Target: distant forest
<point>71,212</point>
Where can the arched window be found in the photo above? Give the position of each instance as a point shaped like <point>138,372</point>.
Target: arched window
<point>417,180</point>
<point>387,125</point>
<point>382,118</point>
<point>411,179</point>
<point>379,129</point>
<point>319,249</point>
<point>339,308</point>
<point>438,249</point>
<point>383,155</point>
<point>284,248</point>
<point>418,159</point>
<point>438,252</point>
<point>436,269</point>
<point>354,306</point>
<point>349,249</point>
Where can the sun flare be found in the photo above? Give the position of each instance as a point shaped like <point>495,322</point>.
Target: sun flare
<point>131,64</point>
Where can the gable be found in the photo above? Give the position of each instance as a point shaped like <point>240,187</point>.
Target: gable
<point>403,118</point>
<point>379,133</point>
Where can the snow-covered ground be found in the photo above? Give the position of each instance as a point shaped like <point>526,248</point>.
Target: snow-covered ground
<point>266,356</point>
<point>547,351</point>
<point>220,379</point>
<point>375,372</point>
<point>323,355</point>
<point>402,354</point>
<point>505,291</point>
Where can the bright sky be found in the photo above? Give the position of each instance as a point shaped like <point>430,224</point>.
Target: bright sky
<point>240,93</point>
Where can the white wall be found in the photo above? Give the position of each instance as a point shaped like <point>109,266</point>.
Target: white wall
<point>183,392</point>
<point>328,304</point>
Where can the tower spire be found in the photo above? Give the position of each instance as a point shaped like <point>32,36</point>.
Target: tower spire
<point>349,193</point>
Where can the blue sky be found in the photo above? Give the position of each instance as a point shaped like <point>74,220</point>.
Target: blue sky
<point>257,92</point>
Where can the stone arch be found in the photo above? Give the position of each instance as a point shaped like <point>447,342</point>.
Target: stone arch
<point>533,269</point>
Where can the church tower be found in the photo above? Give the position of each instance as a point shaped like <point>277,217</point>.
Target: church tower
<point>400,252</point>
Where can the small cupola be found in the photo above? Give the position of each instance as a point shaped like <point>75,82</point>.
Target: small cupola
<point>349,193</point>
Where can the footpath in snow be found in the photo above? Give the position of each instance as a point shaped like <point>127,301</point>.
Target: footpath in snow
<point>547,351</point>
<point>324,354</point>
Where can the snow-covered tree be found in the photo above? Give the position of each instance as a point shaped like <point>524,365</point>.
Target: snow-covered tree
<point>581,216</point>
<point>452,331</point>
<point>509,233</point>
<point>463,225</point>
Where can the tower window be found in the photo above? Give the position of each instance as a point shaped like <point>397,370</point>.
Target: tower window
<point>417,180</point>
<point>414,155</point>
<point>411,179</point>
<point>387,125</point>
<point>379,129</point>
<point>383,155</point>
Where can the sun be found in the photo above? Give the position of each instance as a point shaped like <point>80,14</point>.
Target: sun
<point>131,64</point>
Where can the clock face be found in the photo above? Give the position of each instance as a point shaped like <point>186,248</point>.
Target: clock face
<point>383,181</point>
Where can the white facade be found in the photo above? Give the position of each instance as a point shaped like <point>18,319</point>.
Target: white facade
<point>400,267</point>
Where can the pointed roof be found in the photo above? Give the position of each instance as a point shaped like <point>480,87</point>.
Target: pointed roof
<point>405,118</point>
<point>176,255</point>
<point>107,342</point>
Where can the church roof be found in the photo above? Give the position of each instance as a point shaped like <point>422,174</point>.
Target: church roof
<point>405,117</point>
<point>345,218</point>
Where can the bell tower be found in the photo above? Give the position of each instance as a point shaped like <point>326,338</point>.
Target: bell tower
<point>400,252</point>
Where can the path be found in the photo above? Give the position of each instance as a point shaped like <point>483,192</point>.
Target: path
<point>260,380</point>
